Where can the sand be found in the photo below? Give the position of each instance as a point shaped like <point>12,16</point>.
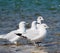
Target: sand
<point>21,49</point>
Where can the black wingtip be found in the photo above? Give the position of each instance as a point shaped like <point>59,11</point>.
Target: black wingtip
<point>19,34</point>
<point>24,37</point>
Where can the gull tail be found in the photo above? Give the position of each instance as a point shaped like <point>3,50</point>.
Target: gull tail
<point>1,36</point>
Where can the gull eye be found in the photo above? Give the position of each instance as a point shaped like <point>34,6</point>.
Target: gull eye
<point>44,26</point>
<point>40,18</point>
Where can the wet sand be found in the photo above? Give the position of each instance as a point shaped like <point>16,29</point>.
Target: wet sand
<point>30,49</point>
<point>21,49</point>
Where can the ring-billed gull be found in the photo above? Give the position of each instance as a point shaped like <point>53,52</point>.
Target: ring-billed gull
<point>12,37</point>
<point>42,32</point>
<point>39,19</point>
<point>32,31</point>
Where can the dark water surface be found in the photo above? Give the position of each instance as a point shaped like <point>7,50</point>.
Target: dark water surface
<point>14,11</point>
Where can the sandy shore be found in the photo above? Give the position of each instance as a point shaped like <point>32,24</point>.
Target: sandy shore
<point>21,49</point>
<point>28,49</point>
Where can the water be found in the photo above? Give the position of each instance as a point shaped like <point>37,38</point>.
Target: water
<point>14,11</point>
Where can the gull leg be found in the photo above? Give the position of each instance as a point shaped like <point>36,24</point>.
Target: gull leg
<point>16,43</point>
<point>34,43</point>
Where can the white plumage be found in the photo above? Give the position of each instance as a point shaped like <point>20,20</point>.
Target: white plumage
<point>39,21</point>
<point>12,35</point>
<point>34,33</point>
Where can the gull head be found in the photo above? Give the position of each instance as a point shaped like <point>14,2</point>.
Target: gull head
<point>44,25</point>
<point>22,24</point>
<point>22,27</point>
<point>39,19</point>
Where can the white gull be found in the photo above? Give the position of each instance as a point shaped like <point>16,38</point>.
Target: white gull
<point>12,37</point>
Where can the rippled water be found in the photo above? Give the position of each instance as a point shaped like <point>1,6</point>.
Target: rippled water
<point>13,11</point>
